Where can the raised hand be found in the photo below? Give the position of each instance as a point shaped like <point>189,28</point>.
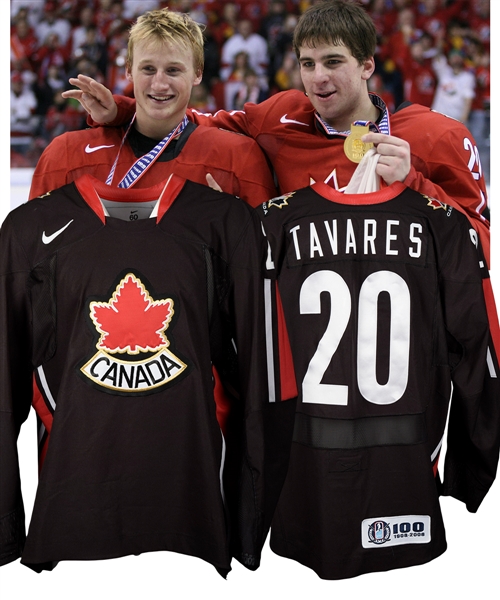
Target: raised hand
<point>95,98</point>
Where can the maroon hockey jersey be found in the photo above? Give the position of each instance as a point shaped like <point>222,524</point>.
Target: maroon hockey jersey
<point>119,304</point>
<point>388,304</point>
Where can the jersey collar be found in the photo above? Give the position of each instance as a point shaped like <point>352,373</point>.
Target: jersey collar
<point>164,193</point>
<point>381,126</point>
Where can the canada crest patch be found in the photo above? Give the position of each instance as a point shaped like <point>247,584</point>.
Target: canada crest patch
<point>133,352</point>
<point>278,202</point>
<point>435,204</point>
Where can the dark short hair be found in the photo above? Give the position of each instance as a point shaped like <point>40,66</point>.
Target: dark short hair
<point>339,23</point>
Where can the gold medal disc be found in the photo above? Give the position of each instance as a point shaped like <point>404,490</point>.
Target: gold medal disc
<point>354,148</point>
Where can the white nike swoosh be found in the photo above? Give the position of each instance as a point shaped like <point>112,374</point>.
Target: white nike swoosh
<point>46,239</point>
<point>285,120</point>
<point>89,150</point>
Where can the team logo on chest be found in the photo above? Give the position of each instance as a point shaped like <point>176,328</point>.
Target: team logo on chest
<point>133,355</point>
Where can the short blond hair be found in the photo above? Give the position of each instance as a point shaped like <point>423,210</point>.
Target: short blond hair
<point>165,26</point>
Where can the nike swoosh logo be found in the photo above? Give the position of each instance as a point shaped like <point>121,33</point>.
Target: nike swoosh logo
<point>285,120</point>
<point>89,149</point>
<point>46,239</point>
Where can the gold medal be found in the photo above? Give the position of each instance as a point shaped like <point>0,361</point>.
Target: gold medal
<point>354,148</point>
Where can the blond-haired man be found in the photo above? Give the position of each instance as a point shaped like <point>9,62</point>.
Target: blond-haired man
<point>165,60</point>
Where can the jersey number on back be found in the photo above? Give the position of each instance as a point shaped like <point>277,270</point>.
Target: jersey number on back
<point>313,391</point>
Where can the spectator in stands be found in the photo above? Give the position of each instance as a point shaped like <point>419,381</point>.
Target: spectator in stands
<point>52,24</point>
<point>419,76</point>
<point>109,17</point>
<point>51,53</point>
<point>253,11</point>
<point>479,117</point>
<point>32,10</point>
<point>212,58</point>
<point>271,27</point>
<point>54,82</point>
<point>201,99</point>
<point>245,39</point>
<point>250,91</point>
<point>285,77</point>
<point>63,115</point>
<point>23,121</point>
<point>94,49</point>
<point>479,22</point>
<point>23,45</point>
<point>392,10</point>
<point>394,53</point>
<point>87,67</point>
<point>284,43</point>
<point>227,23</point>
<point>382,17</point>
<point>234,82</point>
<point>433,16</point>
<point>79,32</point>
<point>116,76</point>
<point>455,86</point>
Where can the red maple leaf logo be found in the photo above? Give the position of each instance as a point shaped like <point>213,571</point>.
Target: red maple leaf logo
<point>132,321</point>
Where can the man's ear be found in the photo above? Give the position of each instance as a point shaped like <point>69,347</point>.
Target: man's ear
<point>368,67</point>
<point>198,78</point>
<point>128,73</point>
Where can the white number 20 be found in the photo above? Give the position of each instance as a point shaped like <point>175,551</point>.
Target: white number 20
<point>313,391</point>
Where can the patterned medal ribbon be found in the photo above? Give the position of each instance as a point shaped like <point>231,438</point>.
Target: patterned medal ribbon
<point>143,163</point>
<point>383,125</point>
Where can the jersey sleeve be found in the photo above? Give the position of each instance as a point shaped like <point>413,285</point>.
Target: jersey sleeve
<point>235,120</point>
<point>15,388</point>
<point>254,177</point>
<point>51,169</point>
<point>267,425</point>
<point>473,439</point>
<point>126,110</point>
<point>450,157</point>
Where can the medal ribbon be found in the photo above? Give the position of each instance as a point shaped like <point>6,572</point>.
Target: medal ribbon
<point>382,126</point>
<point>143,163</point>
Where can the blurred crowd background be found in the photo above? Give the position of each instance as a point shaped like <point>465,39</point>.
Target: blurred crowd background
<point>433,52</point>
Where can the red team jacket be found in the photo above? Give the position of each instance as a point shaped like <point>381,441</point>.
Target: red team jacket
<point>444,155</point>
<point>236,162</point>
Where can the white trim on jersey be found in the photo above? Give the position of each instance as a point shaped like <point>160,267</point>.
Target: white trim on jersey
<point>437,450</point>
<point>269,339</point>
<point>46,388</point>
<point>491,366</point>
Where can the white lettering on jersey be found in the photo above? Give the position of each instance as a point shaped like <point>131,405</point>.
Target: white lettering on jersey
<point>369,240</point>
<point>315,243</point>
<point>390,237</point>
<point>370,243</point>
<point>415,252</point>
<point>293,231</point>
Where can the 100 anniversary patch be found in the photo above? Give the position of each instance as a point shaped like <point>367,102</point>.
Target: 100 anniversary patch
<point>133,351</point>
